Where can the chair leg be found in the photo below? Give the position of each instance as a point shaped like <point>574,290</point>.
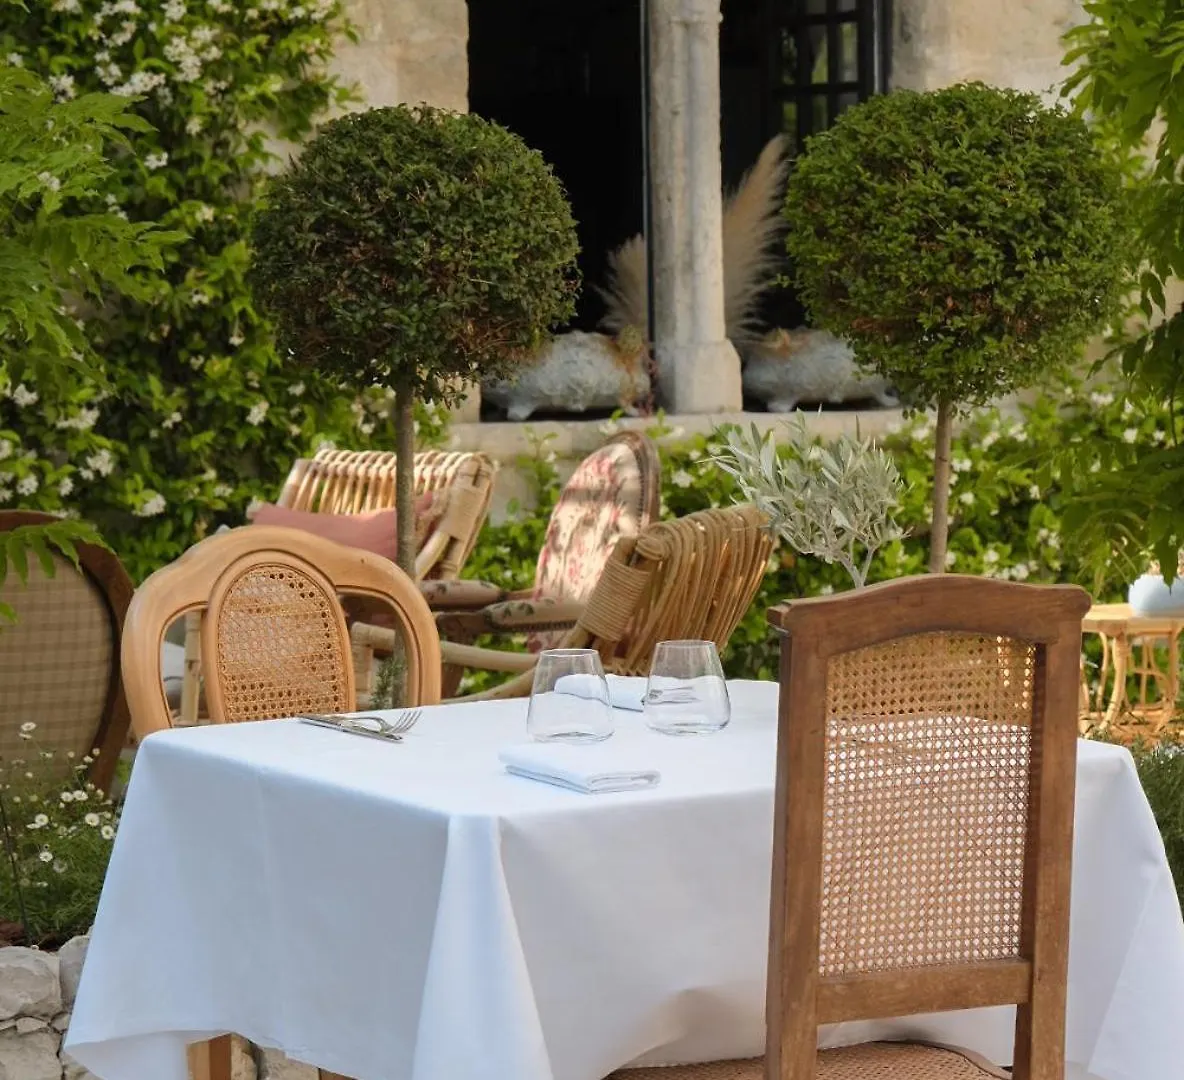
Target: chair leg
<point>210,1060</point>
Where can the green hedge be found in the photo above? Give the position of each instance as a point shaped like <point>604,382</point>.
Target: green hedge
<point>1008,497</point>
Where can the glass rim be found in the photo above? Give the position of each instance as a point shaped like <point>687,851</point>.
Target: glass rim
<point>569,652</point>
<point>684,643</point>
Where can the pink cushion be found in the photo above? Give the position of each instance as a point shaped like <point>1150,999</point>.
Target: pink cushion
<point>374,531</point>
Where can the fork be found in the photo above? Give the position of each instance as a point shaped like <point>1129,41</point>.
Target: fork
<point>390,731</point>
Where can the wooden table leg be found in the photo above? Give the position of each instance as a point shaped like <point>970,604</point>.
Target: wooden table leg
<point>210,1060</point>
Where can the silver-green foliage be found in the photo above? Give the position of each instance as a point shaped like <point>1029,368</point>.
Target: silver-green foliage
<point>835,501</point>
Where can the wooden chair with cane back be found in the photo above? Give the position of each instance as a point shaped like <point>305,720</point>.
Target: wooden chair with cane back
<point>269,603</point>
<point>344,482</point>
<point>690,578</point>
<point>923,825</point>
<point>59,662</point>
<point>273,625</point>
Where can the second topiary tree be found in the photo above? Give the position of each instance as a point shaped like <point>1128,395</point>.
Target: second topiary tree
<point>964,240</point>
<point>417,249</point>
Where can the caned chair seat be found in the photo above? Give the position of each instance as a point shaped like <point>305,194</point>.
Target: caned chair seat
<point>866,1061</point>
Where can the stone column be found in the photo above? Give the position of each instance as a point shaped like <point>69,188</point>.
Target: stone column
<point>699,370</point>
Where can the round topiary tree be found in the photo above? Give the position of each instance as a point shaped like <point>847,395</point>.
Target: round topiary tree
<point>418,249</point>
<point>964,240</point>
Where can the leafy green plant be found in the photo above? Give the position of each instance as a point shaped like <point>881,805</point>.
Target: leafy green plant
<point>835,502</point>
<point>57,832</point>
<point>417,249</point>
<point>1126,60</point>
<point>198,415</point>
<point>964,240</point>
<point>1008,495</point>
<point>58,250</point>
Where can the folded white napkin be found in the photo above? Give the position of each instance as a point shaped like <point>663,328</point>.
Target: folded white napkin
<point>590,769</point>
<point>624,691</point>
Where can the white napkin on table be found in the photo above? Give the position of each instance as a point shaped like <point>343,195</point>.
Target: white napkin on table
<point>624,691</point>
<point>590,769</point>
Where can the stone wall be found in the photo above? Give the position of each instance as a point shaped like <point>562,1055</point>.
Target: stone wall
<point>1013,43</point>
<point>36,995</point>
<point>408,51</point>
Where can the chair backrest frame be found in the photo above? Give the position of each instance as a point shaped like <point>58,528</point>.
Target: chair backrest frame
<point>104,570</point>
<point>357,481</point>
<point>649,472</point>
<point>815,633</point>
<point>693,577</point>
<point>198,581</point>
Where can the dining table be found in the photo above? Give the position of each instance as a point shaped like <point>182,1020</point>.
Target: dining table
<point>413,911</point>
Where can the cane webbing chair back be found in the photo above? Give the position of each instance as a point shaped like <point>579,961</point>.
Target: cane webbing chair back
<point>924,810</point>
<point>353,482</point>
<point>59,662</point>
<point>273,632</point>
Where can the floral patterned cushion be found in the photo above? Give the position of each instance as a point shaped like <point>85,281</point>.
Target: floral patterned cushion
<point>608,497</point>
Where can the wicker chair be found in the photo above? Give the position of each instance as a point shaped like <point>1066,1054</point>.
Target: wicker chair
<point>268,599</point>
<point>352,482</point>
<point>923,825</point>
<point>690,578</point>
<point>614,493</point>
<point>59,664</point>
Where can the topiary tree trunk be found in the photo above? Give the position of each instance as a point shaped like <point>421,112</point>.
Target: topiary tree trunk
<point>940,527</point>
<point>405,478</point>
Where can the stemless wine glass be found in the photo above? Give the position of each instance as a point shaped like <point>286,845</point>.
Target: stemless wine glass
<point>687,694</point>
<point>569,701</point>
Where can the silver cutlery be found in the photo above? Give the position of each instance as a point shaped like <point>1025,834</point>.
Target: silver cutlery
<point>375,727</point>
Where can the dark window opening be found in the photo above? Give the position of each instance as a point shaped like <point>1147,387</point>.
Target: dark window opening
<point>566,77</point>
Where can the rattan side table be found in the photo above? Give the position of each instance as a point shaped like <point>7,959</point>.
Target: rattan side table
<point>1128,648</point>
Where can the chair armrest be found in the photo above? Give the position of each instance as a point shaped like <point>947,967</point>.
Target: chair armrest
<point>473,656</point>
<point>460,595</point>
<point>511,617</point>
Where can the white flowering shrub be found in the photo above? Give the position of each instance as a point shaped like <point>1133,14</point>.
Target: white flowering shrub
<point>57,831</point>
<point>201,415</point>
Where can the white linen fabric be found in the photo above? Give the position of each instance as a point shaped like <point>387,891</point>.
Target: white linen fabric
<point>624,691</point>
<point>413,912</point>
<point>593,770</point>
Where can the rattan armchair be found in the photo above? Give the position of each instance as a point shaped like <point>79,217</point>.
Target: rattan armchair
<point>352,482</point>
<point>923,826</point>
<point>269,604</point>
<point>690,578</point>
<point>59,663</point>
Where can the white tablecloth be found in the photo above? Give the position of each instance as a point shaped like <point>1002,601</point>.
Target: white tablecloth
<point>412,912</point>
